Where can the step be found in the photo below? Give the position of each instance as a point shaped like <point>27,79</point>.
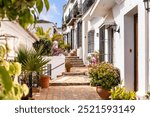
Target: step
<point>78,65</point>
<point>73,73</point>
<point>70,80</point>
<point>68,84</point>
<point>72,57</point>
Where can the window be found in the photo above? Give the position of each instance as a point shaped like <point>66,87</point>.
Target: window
<point>79,34</point>
<point>72,38</point>
<point>91,41</point>
<point>106,44</point>
<point>69,38</point>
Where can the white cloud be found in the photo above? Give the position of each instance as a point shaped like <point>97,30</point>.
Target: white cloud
<point>54,9</point>
<point>51,13</point>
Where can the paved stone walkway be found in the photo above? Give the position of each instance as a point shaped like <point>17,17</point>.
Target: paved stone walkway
<point>68,93</point>
<point>71,80</point>
<point>69,88</point>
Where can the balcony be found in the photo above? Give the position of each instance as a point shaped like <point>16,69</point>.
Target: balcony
<point>71,1</point>
<point>87,4</point>
<point>74,14</point>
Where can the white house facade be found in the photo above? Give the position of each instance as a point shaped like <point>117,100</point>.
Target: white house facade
<point>119,30</point>
<point>45,25</point>
<point>15,36</point>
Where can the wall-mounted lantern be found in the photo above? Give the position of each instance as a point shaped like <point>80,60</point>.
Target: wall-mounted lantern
<point>147,5</point>
<point>116,28</point>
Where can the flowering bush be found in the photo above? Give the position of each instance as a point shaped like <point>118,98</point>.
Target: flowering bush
<point>93,58</point>
<point>49,46</point>
<point>104,75</point>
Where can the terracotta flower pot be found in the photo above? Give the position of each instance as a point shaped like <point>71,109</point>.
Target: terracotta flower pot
<point>68,69</point>
<point>103,93</point>
<point>44,81</point>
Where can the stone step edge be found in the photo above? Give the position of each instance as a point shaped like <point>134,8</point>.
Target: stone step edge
<point>68,84</point>
<point>73,73</point>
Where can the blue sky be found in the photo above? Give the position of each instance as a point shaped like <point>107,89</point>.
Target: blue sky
<point>55,12</point>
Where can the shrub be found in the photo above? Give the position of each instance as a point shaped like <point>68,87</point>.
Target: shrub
<point>120,93</point>
<point>104,75</point>
<point>147,96</point>
<point>44,45</point>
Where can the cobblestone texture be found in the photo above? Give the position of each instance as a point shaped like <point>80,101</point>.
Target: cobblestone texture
<point>67,93</point>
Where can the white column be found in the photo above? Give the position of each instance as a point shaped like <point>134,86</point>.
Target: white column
<point>106,45</point>
<point>143,55</point>
<point>84,41</point>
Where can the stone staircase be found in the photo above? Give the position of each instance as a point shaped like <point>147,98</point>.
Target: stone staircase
<point>77,76</point>
<point>75,61</point>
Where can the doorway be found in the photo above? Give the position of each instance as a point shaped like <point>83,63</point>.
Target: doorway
<point>131,49</point>
<point>136,52</point>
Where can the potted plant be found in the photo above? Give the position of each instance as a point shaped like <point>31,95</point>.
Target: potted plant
<point>104,76</point>
<point>68,66</point>
<point>32,61</point>
<point>44,81</point>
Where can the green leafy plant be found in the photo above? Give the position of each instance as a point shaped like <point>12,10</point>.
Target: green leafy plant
<point>31,60</point>
<point>13,68</point>
<point>43,34</point>
<point>120,93</point>
<point>104,75</point>
<point>68,66</point>
<point>2,52</point>
<point>147,96</point>
<point>24,11</point>
<point>48,44</point>
<point>10,90</point>
<point>45,46</point>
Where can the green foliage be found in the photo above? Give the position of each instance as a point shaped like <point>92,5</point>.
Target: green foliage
<point>41,34</point>
<point>45,46</point>
<point>147,96</point>
<point>22,10</point>
<point>46,43</point>
<point>8,89</point>
<point>5,79</point>
<point>120,93</point>
<point>2,52</point>
<point>104,75</point>
<point>13,68</point>
<point>31,60</point>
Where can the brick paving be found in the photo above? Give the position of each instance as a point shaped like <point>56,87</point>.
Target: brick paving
<point>68,93</point>
<point>74,87</point>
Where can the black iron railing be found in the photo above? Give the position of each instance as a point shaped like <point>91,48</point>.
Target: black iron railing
<point>87,4</point>
<point>74,13</point>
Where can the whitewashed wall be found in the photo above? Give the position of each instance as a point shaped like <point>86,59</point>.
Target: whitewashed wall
<point>123,58</point>
<point>22,37</point>
<point>56,61</point>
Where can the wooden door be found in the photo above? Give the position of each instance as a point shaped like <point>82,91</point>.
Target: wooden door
<point>136,52</point>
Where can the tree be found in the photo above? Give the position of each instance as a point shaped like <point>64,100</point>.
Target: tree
<point>24,11</point>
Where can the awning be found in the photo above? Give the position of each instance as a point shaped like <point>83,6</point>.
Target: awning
<point>102,7</point>
<point>108,19</point>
